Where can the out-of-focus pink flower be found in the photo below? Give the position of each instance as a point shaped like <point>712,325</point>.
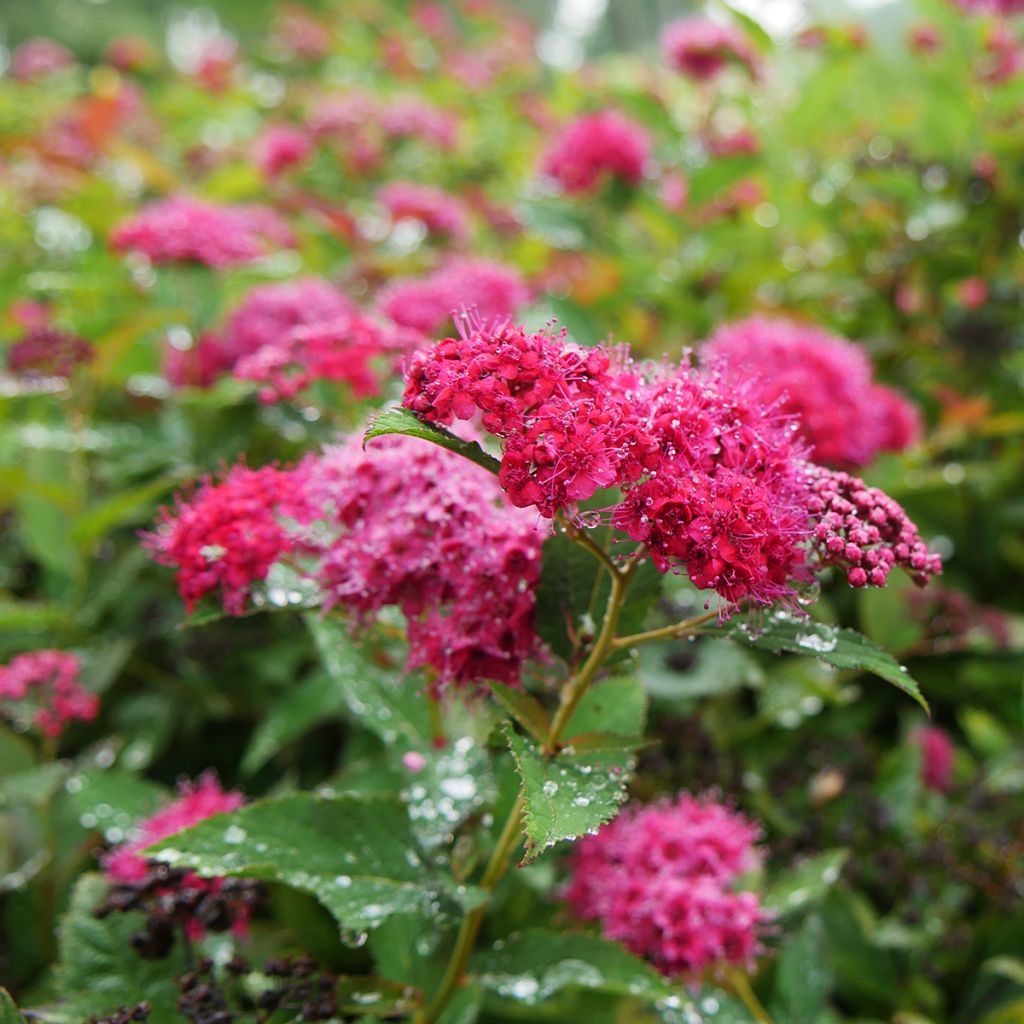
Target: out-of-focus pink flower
<point>45,685</point>
<point>675,192</point>
<point>493,291</point>
<point>1004,54</point>
<point>413,761</point>
<point>409,117</point>
<point>300,34</point>
<point>937,752</point>
<point>596,146</point>
<point>214,67</point>
<point>992,6</point>
<point>438,211</point>
<point>39,58</point>
<point>741,142</point>
<point>225,536</point>
<point>925,38</point>
<point>45,350</point>
<point>129,53</point>
<point>909,299</point>
<point>200,365</point>
<point>700,48</point>
<point>422,529</point>
<point>281,148</point>
<point>972,292</point>
<point>183,230</point>
<point>985,166</point>
<point>661,880</point>
<point>826,382</point>
<point>29,313</point>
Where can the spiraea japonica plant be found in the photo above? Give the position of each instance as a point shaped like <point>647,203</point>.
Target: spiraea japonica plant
<point>462,563</point>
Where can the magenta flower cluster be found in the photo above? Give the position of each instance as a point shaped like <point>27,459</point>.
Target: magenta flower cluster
<point>662,880</point>
<point>45,685</point>
<point>596,147</point>
<point>700,48</point>
<point>186,230</point>
<point>824,381</point>
<point>440,213</point>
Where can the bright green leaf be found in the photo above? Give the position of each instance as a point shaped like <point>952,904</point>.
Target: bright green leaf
<point>401,421</point>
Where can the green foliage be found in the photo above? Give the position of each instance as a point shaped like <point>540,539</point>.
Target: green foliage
<point>401,421</point>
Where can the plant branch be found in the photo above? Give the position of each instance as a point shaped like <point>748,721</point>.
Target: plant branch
<point>665,632</point>
<point>741,987</point>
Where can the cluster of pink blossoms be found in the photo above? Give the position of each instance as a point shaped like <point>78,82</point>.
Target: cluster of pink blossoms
<point>992,6</point>
<point>937,752</point>
<point>45,350</point>
<point>351,118</point>
<point>596,146</point>
<point>281,148</point>
<point>660,880</point>
<point>428,304</point>
<point>227,535</point>
<point>127,864</point>
<point>714,480</point>
<point>864,530</point>
<point>186,230</point>
<point>700,48</point>
<point>439,212</point>
<point>46,683</point>
<point>824,381</point>
<point>419,528</point>
<point>39,58</point>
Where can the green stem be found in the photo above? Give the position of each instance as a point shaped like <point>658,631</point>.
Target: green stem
<point>508,841</point>
<point>665,632</point>
<point>740,985</point>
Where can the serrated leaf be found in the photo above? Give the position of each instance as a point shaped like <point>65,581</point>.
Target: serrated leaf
<point>524,708</point>
<point>617,705</point>
<point>355,855</point>
<point>379,699</point>
<point>536,965</point>
<point>317,700</point>
<point>401,421</point>
<point>805,884</point>
<point>571,793</point>
<point>100,971</point>
<point>8,1010</point>
<point>842,648</point>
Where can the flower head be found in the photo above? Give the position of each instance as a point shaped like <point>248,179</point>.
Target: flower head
<point>45,350</point>
<point>281,148</point>
<point>937,752</point>
<point>596,146</point>
<point>226,535</point>
<point>186,230</point>
<point>39,58</point>
<point>700,48</point>
<point>661,880</point>
<point>414,526</point>
<point>824,381</point>
<point>428,304</point>
<point>45,685</point>
<point>439,212</point>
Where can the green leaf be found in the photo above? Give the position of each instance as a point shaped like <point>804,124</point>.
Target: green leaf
<point>536,965</point>
<point>842,648</point>
<point>803,978</point>
<point>375,997</point>
<point>31,788</point>
<point>356,856</point>
<point>616,705</point>
<point>319,699</point>
<point>99,971</point>
<point>572,793</point>
<point>112,800</point>
<point>566,592</point>
<point>8,1010</point>
<point>401,421</point>
<point>380,699</point>
<point>805,884</point>
<point>524,708</point>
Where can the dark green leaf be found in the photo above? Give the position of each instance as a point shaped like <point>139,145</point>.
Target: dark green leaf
<point>803,979</point>
<point>356,856</point>
<point>8,1010</point>
<point>31,788</point>
<point>567,590</point>
<point>524,708</point>
<point>804,884</point>
<point>401,421</point>
<point>572,793</point>
<point>842,648</point>
<point>616,705</point>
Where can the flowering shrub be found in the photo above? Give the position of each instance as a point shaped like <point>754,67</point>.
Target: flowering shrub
<point>527,485</point>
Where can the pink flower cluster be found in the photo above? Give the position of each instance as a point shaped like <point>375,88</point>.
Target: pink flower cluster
<point>281,148</point>
<point>824,381</point>
<point>713,478</point>
<point>227,535</point>
<point>992,6</point>
<point>183,230</point>
<point>661,880</point>
<point>428,304</point>
<point>865,531</point>
<point>596,146</point>
<point>46,682</point>
<point>937,752</point>
<point>420,528</point>
<point>45,350</point>
<point>439,212</point>
<point>39,58</point>
<point>352,117</point>
<point>700,48</point>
